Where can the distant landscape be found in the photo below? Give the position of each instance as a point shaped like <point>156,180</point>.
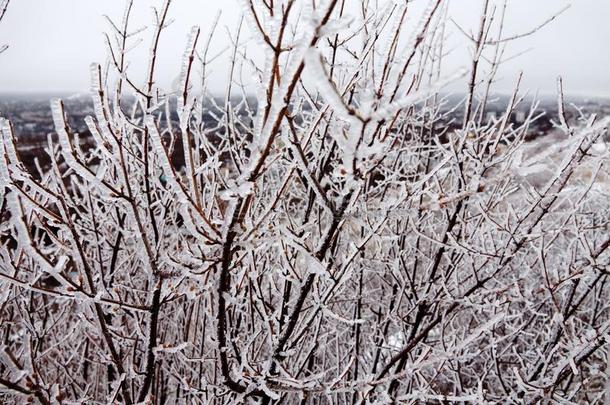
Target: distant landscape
<point>31,117</point>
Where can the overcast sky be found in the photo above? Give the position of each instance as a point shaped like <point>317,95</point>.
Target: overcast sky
<point>52,42</point>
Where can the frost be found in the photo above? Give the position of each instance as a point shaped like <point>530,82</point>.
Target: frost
<point>315,267</point>
<point>346,237</point>
<point>239,189</point>
<point>599,147</point>
<point>253,21</point>
<point>337,25</point>
<point>339,318</point>
<point>187,60</point>
<point>387,110</point>
<point>68,151</point>
<point>313,62</point>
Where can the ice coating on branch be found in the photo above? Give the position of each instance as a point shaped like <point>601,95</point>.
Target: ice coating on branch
<point>328,91</point>
<point>10,159</point>
<point>4,172</point>
<point>190,224</point>
<point>95,72</point>
<point>162,155</point>
<point>579,350</point>
<point>184,116</point>
<point>315,267</point>
<point>349,140</point>
<point>253,21</point>
<point>307,172</point>
<point>417,34</point>
<point>187,59</point>
<point>331,314</point>
<point>168,169</point>
<point>24,238</point>
<point>386,110</point>
<point>309,261</point>
<point>10,165</point>
<point>599,147</point>
<point>336,25</point>
<point>68,151</point>
<point>239,189</point>
<point>59,119</point>
<point>264,128</point>
<point>101,144</point>
<point>99,106</point>
<point>564,153</point>
<point>397,22</point>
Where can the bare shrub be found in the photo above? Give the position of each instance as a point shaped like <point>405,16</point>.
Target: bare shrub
<point>339,240</point>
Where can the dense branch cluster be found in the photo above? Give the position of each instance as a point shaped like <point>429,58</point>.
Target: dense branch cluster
<point>340,239</point>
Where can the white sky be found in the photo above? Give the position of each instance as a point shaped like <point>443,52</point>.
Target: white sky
<point>52,42</point>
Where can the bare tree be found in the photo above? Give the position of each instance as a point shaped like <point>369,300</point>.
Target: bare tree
<point>342,239</point>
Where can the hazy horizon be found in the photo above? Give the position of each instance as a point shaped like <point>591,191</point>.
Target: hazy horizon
<point>52,45</point>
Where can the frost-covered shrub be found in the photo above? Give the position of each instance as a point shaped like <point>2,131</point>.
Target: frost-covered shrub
<point>341,239</point>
